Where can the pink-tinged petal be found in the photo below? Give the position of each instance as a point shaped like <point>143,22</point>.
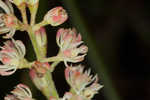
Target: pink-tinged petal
<point>10,34</point>
<point>32,73</point>
<point>78,58</point>
<point>40,31</point>
<point>59,35</point>
<point>4,7</point>
<point>10,97</point>
<point>22,91</point>
<point>67,73</point>
<point>59,32</point>
<point>79,38</point>
<point>9,6</point>
<point>6,60</point>
<point>6,70</point>
<point>83,49</point>
<point>21,48</point>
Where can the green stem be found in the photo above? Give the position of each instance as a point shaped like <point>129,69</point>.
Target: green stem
<point>41,24</point>
<point>53,91</point>
<point>52,59</point>
<point>34,43</point>
<point>53,65</point>
<point>49,88</point>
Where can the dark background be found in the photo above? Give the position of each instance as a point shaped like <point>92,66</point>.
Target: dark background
<point>120,30</point>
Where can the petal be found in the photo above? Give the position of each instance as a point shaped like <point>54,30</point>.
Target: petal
<point>4,7</point>
<point>21,48</point>
<point>10,6</point>
<point>6,70</point>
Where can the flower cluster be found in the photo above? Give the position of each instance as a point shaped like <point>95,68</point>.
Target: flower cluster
<point>71,48</point>
<point>21,92</point>
<point>83,86</point>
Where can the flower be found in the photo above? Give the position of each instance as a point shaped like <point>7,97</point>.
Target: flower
<point>21,92</point>
<point>84,84</point>
<point>8,22</point>
<point>70,44</point>
<point>12,57</point>
<point>56,16</point>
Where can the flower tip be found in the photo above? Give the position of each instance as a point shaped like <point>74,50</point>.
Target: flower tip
<point>83,49</point>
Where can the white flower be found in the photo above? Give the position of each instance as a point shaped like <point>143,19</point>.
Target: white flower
<point>21,92</point>
<point>70,44</point>
<point>84,84</point>
<point>7,19</point>
<point>11,55</point>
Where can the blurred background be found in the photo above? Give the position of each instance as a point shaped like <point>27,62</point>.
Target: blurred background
<point>117,33</point>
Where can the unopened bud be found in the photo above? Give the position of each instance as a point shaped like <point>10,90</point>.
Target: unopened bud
<point>56,16</point>
<point>41,40</point>
<point>40,77</point>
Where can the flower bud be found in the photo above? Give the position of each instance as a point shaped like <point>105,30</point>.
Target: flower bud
<point>41,40</point>
<point>40,77</point>
<point>56,16</point>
